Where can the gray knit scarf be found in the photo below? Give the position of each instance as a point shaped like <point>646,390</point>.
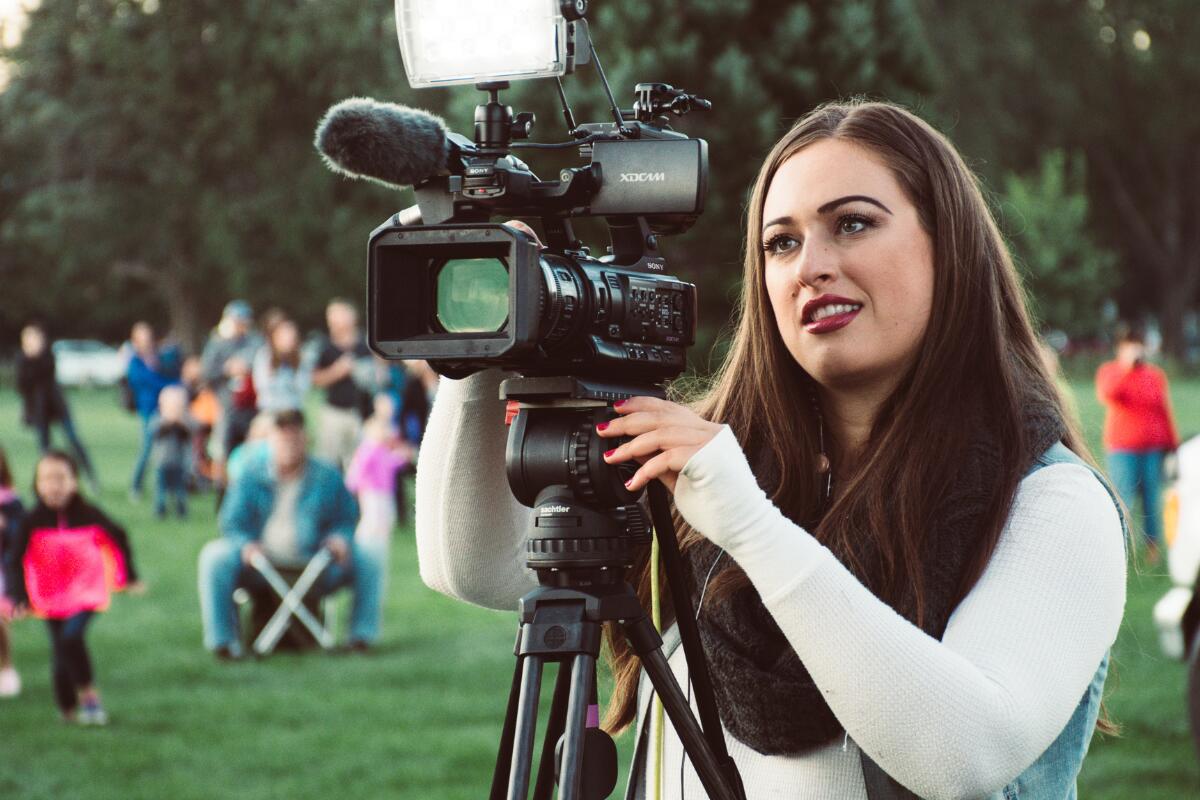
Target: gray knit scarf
<point>765,696</point>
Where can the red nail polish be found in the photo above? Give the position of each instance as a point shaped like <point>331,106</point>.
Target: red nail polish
<point>619,403</point>
<point>608,453</point>
<point>602,426</point>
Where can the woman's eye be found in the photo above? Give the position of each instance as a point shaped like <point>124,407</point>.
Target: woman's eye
<point>852,225</point>
<point>779,244</point>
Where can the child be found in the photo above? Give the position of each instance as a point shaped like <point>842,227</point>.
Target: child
<point>71,552</point>
<point>371,477</point>
<point>170,450</point>
<point>11,514</point>
<point>204,409</point>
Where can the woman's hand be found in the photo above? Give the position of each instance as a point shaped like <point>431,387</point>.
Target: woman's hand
<point>665,436</point>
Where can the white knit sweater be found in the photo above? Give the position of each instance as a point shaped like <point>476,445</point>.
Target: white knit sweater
<point>956,718</point>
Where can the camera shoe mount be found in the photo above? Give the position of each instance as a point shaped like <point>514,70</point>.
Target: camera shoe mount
<point>587,529</point>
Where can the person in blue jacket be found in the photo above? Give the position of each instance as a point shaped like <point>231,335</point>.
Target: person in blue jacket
<point>151,368</point>
<point>286,506</point>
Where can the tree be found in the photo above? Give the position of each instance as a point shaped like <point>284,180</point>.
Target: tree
<point>1112,79</point>
<point>163,157</point>
<point>1067,275</point>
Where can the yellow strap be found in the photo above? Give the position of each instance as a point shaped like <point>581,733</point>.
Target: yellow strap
<point>657,708</point>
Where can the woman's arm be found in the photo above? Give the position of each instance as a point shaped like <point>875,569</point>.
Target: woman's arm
<point>1168,410</point>
<point>470,529</point>
<point>960,717</point>
<point>1111,380</point>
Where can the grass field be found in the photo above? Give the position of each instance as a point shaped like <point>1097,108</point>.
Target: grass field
<point>417,718</point>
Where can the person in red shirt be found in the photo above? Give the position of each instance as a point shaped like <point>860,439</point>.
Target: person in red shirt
<point>1139,429</point>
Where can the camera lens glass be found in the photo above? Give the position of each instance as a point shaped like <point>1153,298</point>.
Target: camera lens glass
<point>472,295</point>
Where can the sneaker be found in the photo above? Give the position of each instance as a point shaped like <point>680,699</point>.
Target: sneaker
<point>92,713</point>
<point>10,682</point>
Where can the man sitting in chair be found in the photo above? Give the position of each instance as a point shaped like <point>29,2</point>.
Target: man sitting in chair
<point>287,507</point>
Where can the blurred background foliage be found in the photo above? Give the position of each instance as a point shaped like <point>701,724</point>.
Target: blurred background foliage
<point>156,156</point>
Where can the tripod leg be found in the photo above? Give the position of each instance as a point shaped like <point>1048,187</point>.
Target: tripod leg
<point>583,672</point>
<point>554,729</point>
<point>504,757</point>
<point>715,782</point>
<point>522,760</point>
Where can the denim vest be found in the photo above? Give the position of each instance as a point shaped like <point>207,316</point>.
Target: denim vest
<point>1051,777</point>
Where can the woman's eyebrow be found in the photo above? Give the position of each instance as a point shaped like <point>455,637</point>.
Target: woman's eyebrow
<point>779,221</point>
<point>832,204</point>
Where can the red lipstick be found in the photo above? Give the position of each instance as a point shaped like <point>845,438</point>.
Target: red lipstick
<point>829,313</point>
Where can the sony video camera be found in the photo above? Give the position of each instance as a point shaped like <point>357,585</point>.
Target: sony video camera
<point>447,284</point>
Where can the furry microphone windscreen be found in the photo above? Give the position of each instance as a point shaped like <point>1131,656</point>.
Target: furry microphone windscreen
<point>383,142</point>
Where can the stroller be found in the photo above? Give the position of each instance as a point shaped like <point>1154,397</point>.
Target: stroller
<point>1177,613</point>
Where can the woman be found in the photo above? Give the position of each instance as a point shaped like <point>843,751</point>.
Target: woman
<point>281,374</point>
<point>43,399</point>
<point>1139,430</point>
<point>906,572</point>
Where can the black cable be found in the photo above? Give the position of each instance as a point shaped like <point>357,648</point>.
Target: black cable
<point>592,137</point>
<point>699,606</point>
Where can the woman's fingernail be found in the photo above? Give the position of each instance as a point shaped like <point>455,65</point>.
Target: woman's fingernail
<point>619,403</point>
<point>602,426</point>
<point>608,453</point>
<point>628,482</point>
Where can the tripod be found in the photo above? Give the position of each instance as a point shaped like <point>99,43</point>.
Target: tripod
<point>586,529</point>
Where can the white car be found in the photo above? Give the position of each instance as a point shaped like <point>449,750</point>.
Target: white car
<point>1177,613</point>
<point>87,362</point>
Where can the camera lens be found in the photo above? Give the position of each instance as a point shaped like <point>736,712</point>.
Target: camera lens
<point>563,302</point>
<point>472,295</point>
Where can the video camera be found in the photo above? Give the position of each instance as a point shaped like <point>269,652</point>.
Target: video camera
<point>448,285</point>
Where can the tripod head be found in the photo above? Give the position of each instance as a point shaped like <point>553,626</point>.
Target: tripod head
<point>587,527</point>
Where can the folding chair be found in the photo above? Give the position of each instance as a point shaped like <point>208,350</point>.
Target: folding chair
<point>292,602</point>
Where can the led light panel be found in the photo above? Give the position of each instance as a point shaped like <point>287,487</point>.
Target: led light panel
<point>445,42</point>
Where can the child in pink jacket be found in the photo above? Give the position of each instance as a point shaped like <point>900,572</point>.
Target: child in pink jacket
<point>371,477</point>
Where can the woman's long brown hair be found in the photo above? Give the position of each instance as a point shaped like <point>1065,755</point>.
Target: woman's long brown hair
<point>979,360</point>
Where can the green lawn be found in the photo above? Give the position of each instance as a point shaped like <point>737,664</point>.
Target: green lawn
<point>418,718</point>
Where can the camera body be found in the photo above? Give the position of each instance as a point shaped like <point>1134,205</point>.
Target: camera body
<point>467,294</point>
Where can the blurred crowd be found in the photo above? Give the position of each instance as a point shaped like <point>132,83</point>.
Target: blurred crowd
<point>229,421</point>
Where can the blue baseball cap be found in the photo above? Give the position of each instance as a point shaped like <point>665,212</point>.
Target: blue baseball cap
<point>239,310</point>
